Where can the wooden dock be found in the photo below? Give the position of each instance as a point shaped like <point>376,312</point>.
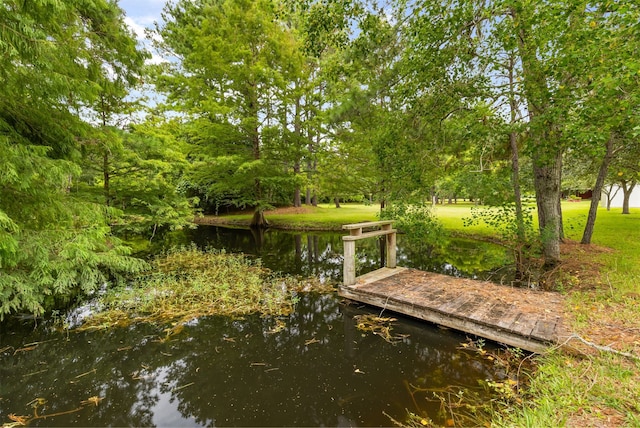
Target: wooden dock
<point>519,317</point>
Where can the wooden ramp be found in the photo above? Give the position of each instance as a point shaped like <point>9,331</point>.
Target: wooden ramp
<point>518,317</point>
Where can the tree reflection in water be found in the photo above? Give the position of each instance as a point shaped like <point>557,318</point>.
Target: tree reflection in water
<point>319,254</point>
<point>317,370</point>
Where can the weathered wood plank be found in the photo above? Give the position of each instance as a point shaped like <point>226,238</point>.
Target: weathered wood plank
<point>366,224</point>
<point>468,307</point>
<point>482,313</point>
<point>545,328</point>
<point>349,268</point>
<point>523,325</point>
<point>454,304</point>
<point>464,325</point>
<point>499,310</point>
<point>508,317</point>
<point>371,234</point>
<point>518,317</point>
<point>378,275</point>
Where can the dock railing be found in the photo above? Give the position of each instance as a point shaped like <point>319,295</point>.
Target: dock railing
<point>355,234</point>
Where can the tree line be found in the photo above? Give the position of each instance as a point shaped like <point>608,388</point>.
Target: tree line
<point>288,102</point>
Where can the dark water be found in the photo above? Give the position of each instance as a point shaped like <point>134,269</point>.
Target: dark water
<point>313,368</point>
<point>319,254</point>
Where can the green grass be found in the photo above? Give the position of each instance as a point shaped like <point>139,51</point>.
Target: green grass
<point>601,388</point>
<point>619,232</point>
<point>328,215</point>
<point>322,217</point>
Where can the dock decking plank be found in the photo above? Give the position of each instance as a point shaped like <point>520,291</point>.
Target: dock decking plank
<point>545,328</point>
<point>523,325</point>
<point>508,318</point>
<point>524,318</point>
<point>455,304</point>
<point>483,313</point>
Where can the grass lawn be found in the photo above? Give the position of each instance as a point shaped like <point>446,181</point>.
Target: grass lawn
<point>594,388</point>
<point>322,217</point>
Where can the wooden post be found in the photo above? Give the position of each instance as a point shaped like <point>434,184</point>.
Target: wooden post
<point>391,250</point>
<point>356,233</point>
<point>349,269</point>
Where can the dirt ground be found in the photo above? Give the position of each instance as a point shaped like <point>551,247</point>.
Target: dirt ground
<point>216,220</point>
<point>612,319</point>
<point>289,210</point>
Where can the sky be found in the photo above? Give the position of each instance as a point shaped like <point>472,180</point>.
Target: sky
<point>141,14</point>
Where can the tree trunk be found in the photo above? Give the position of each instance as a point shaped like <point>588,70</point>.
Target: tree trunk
<point>258,220</point>
<point>559,202</point>
<point>515,159</point>
<point>297,197</point>
<point>106,177</point>
<point>610,195</point>
<point>597,192</point>
<point>254,136</point>
<point>515,181</point>
<point>627,188</point>
<point>337,202</point>
<point>297,132</point>
<point>547,186</point>
<point>547,158</point>
<point>518,251</point>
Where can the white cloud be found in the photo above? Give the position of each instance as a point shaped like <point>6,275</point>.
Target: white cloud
<point>138,29</point>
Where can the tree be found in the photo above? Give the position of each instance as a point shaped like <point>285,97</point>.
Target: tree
<point>146,169</point>
<point>627,176</point>
<point>532,49</point>
<point>366,120</point>
<point>607,111</point>
<point>234,74</point>
<point>53,243</point>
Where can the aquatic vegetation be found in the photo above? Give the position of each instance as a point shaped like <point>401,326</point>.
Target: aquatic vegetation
<point>380,326</point>
<point>188,283</point>
<point>38,404</point>
<point>460,406</point>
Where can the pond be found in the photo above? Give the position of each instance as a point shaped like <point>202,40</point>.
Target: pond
<point>312,368</point>
<point>319,254</point>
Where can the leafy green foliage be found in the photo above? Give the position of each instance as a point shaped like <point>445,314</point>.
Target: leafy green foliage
<point>516,233</point>
<point>145,170</point>
<point>416,220</point>
<point>238,83</point>
<point>502,219</point>
<point>54,243</point>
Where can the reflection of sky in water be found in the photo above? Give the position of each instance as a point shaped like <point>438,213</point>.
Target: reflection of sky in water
<point>166,411</point>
